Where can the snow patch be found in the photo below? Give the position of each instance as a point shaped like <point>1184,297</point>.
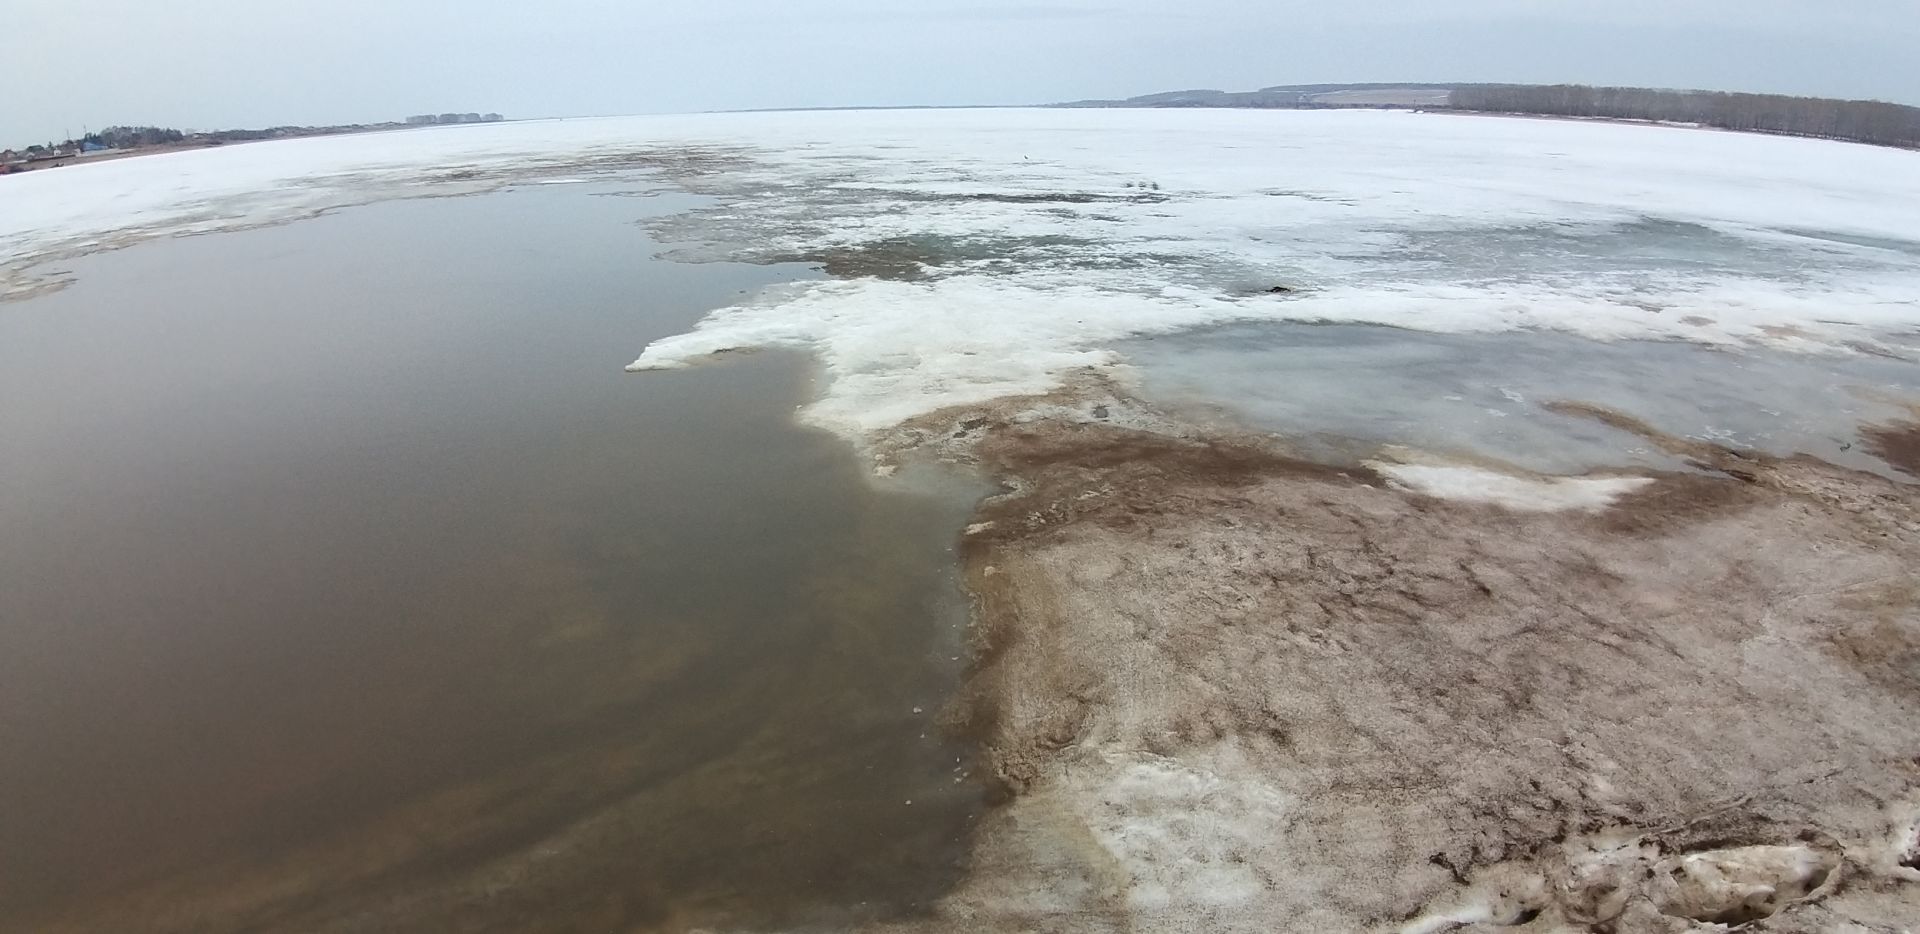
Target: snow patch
<point>1519,493</point>
<point>1185,834</point>
<point>896,350</point>
<point>1740,884</point>
<point>1501,895</point>
<point>1904,850</point>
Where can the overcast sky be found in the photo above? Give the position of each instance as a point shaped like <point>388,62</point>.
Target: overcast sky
<point>206,64</point>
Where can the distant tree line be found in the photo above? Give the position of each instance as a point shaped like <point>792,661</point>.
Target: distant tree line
<point>127,137</point>
<point>123,138</point>
<point>136,137</point>
<point>1875,122</point>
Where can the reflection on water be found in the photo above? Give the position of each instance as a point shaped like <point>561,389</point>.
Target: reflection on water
<point>348,584</point>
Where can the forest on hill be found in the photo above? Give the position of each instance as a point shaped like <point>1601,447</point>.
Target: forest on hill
<point>1875,122</point>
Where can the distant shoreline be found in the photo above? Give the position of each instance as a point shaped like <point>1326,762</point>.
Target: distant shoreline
<point>1380,97</point>
<point>1669,124</point>
<point>71,156</point>
<point>1877,123</point>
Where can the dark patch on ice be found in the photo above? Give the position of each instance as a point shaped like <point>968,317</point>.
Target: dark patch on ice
<point>1441,860</point>
<point>1142,195</point>
<point>1896,245</point>
<point>919,258</point>
<point>1306,196</point>
<point>1898,444</point>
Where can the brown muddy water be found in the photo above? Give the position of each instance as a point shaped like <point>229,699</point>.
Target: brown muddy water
<point>346,583</point>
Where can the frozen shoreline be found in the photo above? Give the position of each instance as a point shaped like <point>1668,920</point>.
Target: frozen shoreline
<point>1228,689</point>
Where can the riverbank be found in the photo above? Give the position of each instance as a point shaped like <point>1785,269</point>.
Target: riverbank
<point>109,155</point>
<point>1219,687</point>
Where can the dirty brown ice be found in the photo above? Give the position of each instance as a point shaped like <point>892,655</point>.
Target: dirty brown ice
<point>1221,688</point>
